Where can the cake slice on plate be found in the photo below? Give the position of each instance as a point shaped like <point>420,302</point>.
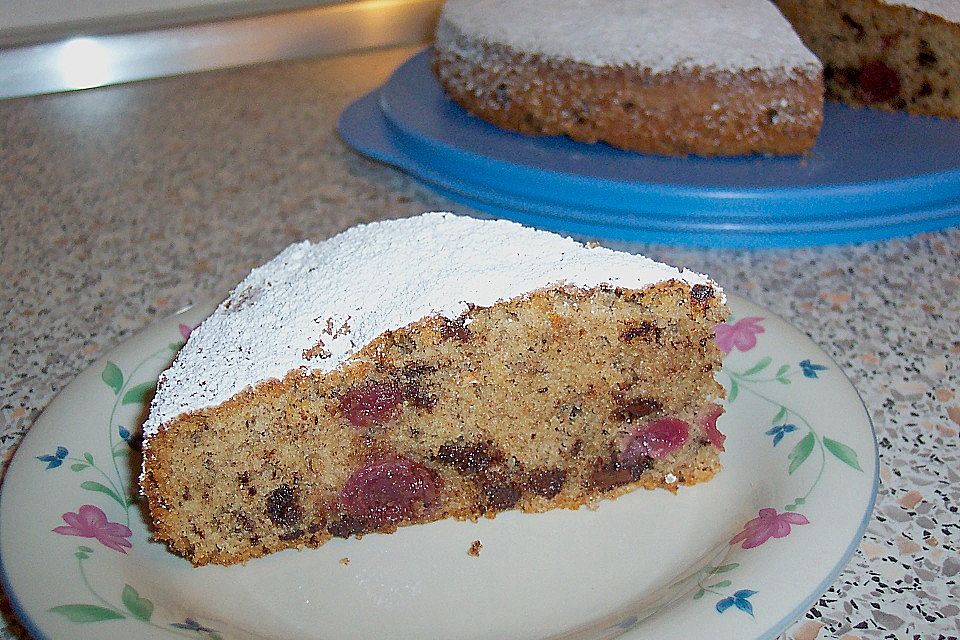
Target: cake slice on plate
<point>433,367</point>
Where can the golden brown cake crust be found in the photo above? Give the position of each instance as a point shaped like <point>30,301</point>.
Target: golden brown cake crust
<point>541,402</point>
<point>698,112</point>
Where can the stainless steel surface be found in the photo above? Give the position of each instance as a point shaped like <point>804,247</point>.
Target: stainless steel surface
<point>24,22</point>
<point>94,61</point>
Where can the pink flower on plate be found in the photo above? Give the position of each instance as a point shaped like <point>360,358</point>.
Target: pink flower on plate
<point>186,330</point>
<point>741,335</point>
<point>769,524</point>
<point>91,522</point>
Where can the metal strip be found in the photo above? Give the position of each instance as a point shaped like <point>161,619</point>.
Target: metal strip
<point>94,61</point>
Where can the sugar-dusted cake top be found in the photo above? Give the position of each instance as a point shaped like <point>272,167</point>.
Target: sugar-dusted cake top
<point>947,9</point>
<point>331,298</point>
<point>663,36</point>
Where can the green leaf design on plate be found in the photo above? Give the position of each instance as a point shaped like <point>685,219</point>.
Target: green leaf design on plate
<point>720,585</point>
<point>78,466</point>
<point>119,453</point>
<point>88,457</point>
<point>760,366</point>
<point>801,451</point>
<point>90,485</point>
<point>113,377</point>
<point>734,390</point>
<point>139,607</point>
<point>782,374</point>
<point>85,548</point>
<point>86,613</point>
<point>699,594</point>
<point>843,453</point>
<point>726,567</point>
<point>176,346</point>
<point>781,415</point>
<point>137,394</point>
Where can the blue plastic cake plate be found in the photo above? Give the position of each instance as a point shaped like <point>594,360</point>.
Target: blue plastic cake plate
<point>872,175</point>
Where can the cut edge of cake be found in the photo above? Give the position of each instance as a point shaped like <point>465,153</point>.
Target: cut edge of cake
<point>891,56</point>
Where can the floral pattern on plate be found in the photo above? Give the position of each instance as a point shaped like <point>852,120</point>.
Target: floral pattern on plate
<point>743,335</point>
<point>90,521</point>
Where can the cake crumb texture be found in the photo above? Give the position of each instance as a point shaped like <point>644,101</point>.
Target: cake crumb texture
<point>885,55</point>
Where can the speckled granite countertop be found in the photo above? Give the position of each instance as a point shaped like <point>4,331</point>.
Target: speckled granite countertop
<point>121,205</point>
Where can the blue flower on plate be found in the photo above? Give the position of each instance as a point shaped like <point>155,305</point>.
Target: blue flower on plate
<point>810,369</point>
<point>56,459</point>
<point>740,600</point>
<point>779,431</point>
<point>124,433</point>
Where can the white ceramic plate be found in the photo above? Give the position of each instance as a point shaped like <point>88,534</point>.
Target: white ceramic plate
<point>739,557</point>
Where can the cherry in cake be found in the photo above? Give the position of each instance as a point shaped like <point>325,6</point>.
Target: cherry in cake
<point>885,54</point>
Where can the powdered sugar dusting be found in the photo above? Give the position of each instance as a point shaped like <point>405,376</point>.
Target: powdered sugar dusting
<point>315,305</point>
<point>662,36</point>
<point>948,9</point>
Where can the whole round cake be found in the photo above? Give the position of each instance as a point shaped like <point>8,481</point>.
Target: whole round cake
<point>432,367</point>
<point>718,78</point>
